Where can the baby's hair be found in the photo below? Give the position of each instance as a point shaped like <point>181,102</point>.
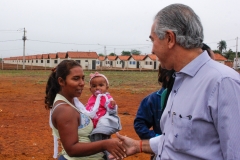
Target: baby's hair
<point>96,74</point>
<point>52,88</point>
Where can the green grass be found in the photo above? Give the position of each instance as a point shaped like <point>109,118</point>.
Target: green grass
<point>132,81</point>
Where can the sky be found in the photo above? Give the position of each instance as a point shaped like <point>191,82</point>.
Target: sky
<point>103,26</point>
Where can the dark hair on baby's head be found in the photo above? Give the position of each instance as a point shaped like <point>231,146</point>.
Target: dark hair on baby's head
<point>52,88</point>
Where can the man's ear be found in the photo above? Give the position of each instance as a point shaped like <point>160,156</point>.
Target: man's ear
<point>61,82</point>
<point>171,38</point>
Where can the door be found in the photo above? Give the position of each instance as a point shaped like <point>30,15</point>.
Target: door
<point>93,64</point>
<point>155,65</point>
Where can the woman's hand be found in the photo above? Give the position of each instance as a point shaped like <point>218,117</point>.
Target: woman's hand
<point>132,146</point>
<point>115,148</point>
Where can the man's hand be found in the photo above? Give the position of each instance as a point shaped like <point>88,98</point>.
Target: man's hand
<point>132,146</point>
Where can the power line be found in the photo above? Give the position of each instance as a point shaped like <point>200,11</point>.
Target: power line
<point>224,40</point>
<point>11,40</point>
<point>11,49</point>
<point>60,42</point>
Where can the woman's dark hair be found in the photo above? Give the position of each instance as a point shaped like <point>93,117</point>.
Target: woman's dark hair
<point>208,49</point>
<point>166,78</point>
<point>52,87</point>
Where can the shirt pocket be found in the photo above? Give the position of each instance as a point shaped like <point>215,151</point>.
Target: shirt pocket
<point>181,133</point>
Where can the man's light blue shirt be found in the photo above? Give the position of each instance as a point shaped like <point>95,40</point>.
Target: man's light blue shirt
<point>202,116</point>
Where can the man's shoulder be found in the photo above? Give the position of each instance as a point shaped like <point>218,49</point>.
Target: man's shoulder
<point>220,71</point>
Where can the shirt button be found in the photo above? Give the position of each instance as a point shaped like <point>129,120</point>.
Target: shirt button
<point>159,156</point>
<point>164,133</point>
<point>175,91</point>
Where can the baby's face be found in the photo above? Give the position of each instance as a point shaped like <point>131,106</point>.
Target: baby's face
<point>98,85</point>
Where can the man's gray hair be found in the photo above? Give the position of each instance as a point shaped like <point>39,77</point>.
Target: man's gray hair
<point>183,21</point>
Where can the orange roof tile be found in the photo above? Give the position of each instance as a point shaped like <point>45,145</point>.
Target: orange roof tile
<point>124,58</point>
<point>139,57</point>
<point>219,57</point>
<point>28,57</point>
<point>34,56</point>
<point>152,57</point>
<point>72,54</point>
<point>20,58</point>
<point>61,54</point>
<point>101,58</point>
<point>45,56</point>
<point>39,56</point>
<point>53,55</point>
<point>112,58</point>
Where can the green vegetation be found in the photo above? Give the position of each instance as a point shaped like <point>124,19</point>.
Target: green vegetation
<point>130,81</point>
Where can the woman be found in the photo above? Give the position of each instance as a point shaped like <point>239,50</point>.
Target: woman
<point>68,123</point>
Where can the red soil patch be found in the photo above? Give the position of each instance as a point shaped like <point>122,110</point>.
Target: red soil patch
<point>24,128</point>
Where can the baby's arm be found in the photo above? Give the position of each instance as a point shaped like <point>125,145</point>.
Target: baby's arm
<point>111,105</point>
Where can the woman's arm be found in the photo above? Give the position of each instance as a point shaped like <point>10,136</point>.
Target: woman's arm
<point>66,119</point>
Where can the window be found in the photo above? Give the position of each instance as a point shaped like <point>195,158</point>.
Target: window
<point>146,63</point>
<point>55,61</point>
<point>48,61</point>
<point>106,62</point>
<point>86,60</point>
<point>78,61</point>
<point>41,61</point>
<point>150,62</point>
<point>130,62</point>
<point>36,61</point>
<point>134,62</point>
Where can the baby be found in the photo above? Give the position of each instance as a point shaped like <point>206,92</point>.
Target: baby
<point>102,108</point>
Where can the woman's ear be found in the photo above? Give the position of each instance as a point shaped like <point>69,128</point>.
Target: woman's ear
<point>61,82</point>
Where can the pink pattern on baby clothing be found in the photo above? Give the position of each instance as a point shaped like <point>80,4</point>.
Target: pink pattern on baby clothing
<point>101,110</point>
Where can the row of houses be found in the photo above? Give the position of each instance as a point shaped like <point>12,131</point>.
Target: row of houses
<point>91,60</point>
<point>88,60</point>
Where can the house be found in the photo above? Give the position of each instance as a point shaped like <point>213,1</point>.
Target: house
<point>38,61</point>
<point>122,61</point>
<point>151,62</point>
<point>53,62</point>
<point>137,61</point>
<point>86,59</point>
<point>101,62</point>
<point>60,57</point>
<point>45,60</point>
<point>111,61</point>
<point>220,58</point>
<point>236,63</point>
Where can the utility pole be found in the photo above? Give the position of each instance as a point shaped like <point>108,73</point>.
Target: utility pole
<point>24,38</point>
<point>2,62</point>
<point>105,50</point>
<point>236,63</point>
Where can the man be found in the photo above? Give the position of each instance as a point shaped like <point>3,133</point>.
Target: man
<point>146,122</point>
<point>202,116</point>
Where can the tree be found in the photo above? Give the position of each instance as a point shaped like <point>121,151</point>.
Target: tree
<point>135,52</point>
<point>126,53</point>
<point>222,45</point>
<point>100,54</point>
<point>112,54</point>
<point>229,54</point>
<point>216,51</point>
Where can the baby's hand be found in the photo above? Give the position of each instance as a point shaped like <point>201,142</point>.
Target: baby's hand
<point>112,104</point>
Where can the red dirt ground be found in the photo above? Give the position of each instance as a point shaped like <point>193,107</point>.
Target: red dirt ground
<point>24,128</point>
